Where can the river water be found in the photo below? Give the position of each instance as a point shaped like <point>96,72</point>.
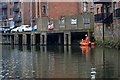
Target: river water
<point>59,62</point>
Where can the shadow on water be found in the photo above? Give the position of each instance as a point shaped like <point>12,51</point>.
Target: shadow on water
<point>59,62</point>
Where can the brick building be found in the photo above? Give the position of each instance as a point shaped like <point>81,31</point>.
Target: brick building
<point>26,13</point>
<point>58,9</point>
<point>107,20</point>
<point>17,13</point>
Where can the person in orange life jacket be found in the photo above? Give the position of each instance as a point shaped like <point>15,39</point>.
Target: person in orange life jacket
<point>86,39</point>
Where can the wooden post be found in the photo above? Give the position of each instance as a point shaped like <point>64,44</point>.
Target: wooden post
<point>43,39</point>
<point>24,41</point>
<point>32,39</point>
<point>59,39</point>
<point>16,39</point>
<point>67,38</point>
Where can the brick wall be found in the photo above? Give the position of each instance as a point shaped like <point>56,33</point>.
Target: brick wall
<point>25,13</point>
<point>8,10</point>
<point>25,9</point>
<point>58,9</point>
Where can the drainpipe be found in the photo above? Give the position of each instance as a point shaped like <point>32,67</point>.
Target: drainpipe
<point>31,13</point>
<point>103,33</point>
<point>103,24</point>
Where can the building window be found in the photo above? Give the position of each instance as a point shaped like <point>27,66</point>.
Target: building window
<point>92,7</point>
<point>5,12</point>
<point>44,9</point>
<point>11,11</point>
<point>73,21</point>
<point>91,4</point>
<point>62,21</point>
<point>11,2</point>
<point>85,6</point>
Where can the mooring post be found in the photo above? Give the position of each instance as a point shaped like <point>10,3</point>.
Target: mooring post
<point>59,39</point>
<point>7,38</point>
<point>24,41</point>
<point>67,38</point>
<point>16,39</point>
<point>32,39</point>
<point>10,39</point>
<point>43,39</point>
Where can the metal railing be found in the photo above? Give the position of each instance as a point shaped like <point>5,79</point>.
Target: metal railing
<point>99,17</point>
<point>104,17</point>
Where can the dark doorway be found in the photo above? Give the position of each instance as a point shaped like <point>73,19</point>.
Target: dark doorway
<point>37,39</point>
<point>76,37</point>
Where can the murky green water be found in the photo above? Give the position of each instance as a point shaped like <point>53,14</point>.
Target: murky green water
<point>59,62</point>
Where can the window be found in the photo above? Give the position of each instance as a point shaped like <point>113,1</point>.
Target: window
<point>85,6</point>
<point>11,2</point>
<point>11,11</point>
<point>61,21</point>
<point>73,21</point>
<point>5,12</point>
<point>92,6</point>
<point>44,9</point>
<point>86,20</point>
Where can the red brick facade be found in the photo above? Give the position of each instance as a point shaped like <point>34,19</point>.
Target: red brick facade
<point>58,9</point>
<point>8,10</point>
<point>25,13</point>
<point>53,10</point>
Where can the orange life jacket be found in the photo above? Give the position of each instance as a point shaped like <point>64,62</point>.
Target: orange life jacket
<point>86,39</point>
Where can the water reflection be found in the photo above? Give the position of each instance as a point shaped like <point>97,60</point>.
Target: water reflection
<point>87,51</point>
<point>59,62</point>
